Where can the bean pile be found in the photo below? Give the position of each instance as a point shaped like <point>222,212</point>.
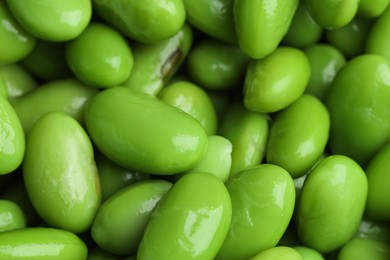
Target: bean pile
<point>195,129</point>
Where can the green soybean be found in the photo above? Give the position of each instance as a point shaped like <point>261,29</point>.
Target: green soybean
<point>112,229</point>
<point>212,17</point>
<point>308,253</point>
<point>263,200</point>
<point>325,62</point>
<point>16,80</point>
<point>279,252</point>
<point>378,37</point>
<point>41,243</point>
<point>68,96</point>
<point>332,13</point>
<point>377,207</point>
<point>147,21</point>
<point>114,177</point>
<point>52,20</point>
<point>3,87</point>
<point>12,143</point>
<point>248,133</point>
<point>193,100</point>
<point>362,248</point>
<point>139,137</point>
<point>11,216</point>
<point>261,26</point>
<point>155,64</point>
<point>100,56</point>
<point>372,8</point>
<point>16,43</point>
<point>215,65</point>
<point>190,222</point>
<point>60,173</point>
<point>331,203</point>
<point>276,81</point>
<point>358,98</point>
<point>298,136</point>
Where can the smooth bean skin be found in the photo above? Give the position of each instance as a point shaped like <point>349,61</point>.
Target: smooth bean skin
<point>113,231</point>
<point>263,200</point>
<point>358,98</point>
<point>52,20</point>
<point>12,139</point>
<point>147,21</point>
<point>260,27</point>
<point>287,68</point>
<point>41,243</point>
<point>303,30</point>
<point>280,253</point>
<point>68,96</point>
<point>351,38</point>
<point>215,65</point>
<point>100,56</point>
<point>378,37</point>
<point>212,17</point>
<point>193,100</point>
<point>217,159</point>
<point>11,216</point>
<point>60,174</point>
<point>308,253</point>
<point>298,136</point>
<point>332,13</point>
<point>331,204</point>
<point>17,80</point>
<point>325,61</point>
<point>362,248</point>
<point>138,137</point>
<point>47,61</point>
<point>248,132</point>
<point>16,43</point>
<point>155,64</point>
<point>377,207</point>
<point>191,222</point>
<point>114,177</point>
<point>372,8</point>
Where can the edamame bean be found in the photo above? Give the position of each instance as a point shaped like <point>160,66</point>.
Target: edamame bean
<point>298,136</point>
<point>140,132</point>
<point>155,64</point>
<point>362,248</point>
<point>16,43</point>
<point>114,177</point>
<point>248,133</point>
<point>191,222</point>
<point>100,56</point>
<point>332,13</point>
<point>261,26</point>
<point>378,37</point>
<point>193,100</point>
<point>358,106</point>
<point>280,253</point>
<point>17,80</point>
<point>212,17</point>
<point>308,253</point>
<point>372,8</point>
<point>41,243</point>
<point>377,207</point>
<point>325,62</point>
<point>60,173</point>
<point>12,143</point>
<point>52,20</point>
<point>121,221</point>
<point>303,30</point>
<point>263,200</point>
<point>147,21</point>
<point>331,203</point>
<point>276,81</point>
<point>11,216</point>
<point>3,87</point>
<point>214,65</point>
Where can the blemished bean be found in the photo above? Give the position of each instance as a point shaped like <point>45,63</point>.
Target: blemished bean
<point>52,20</point>
<point>60,173</point>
